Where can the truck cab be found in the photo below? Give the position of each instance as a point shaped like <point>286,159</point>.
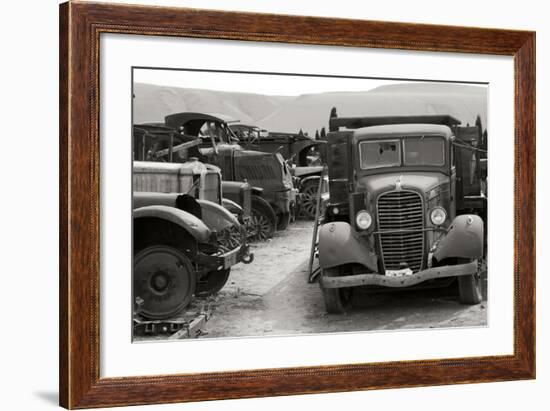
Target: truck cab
<point>398,215</point>
<point>302,153</point>
<point>220,146</point>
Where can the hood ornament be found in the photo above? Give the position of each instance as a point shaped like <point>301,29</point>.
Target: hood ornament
<point>398,183</point>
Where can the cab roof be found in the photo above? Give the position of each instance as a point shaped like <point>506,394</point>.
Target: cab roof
<point>179,119</point>
<point>359,122</point>
<point>402,130</point>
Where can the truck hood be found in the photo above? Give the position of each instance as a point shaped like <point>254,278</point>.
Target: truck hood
<point>265,170</point>
<point>416,181</point>
<point>308,171</point>
<point>252,153</point>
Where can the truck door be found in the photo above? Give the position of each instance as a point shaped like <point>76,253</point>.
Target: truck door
<point>340,165</point>
<point>454,194</point>
<point>468,168</point>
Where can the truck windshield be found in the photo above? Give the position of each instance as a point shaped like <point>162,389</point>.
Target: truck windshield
<point>382,153</point>
<point>217,131</point>
<point>424,151</point>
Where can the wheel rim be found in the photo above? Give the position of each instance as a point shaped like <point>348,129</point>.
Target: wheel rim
<point>164,281</point>
<point>309,201</point>
<point>230,238</point>
<point>260,226</point>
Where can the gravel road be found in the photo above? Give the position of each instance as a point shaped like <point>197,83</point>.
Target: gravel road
<point>271,296</point>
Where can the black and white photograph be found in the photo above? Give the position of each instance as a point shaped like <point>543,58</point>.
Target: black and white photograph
<point>273,204</point>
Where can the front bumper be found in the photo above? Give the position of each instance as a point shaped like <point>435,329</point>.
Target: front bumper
<point>239,254</point>
<point>404,281</point>
<point>227,259</point>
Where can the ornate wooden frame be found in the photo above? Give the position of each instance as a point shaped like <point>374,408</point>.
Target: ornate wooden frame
<point>80,27</point>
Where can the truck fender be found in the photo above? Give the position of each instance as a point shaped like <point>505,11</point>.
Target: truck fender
<point>217,217</point>
<point>310,178</point>
<point>232,206</point>
<point>258,191</point>
<point>464,239</point>
<point>339,244</point>
<point>185,220</point>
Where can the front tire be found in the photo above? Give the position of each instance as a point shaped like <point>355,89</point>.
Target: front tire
<point>283,220</point>
<point>337,300</point>
<point>469,289</point>
<point>213,282</point>
<point>164,281</point>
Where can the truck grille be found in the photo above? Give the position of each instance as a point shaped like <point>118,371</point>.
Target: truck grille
<point>257,171</point>
<point>246,201</point>
<point>211,187</point>
<point>399,211</point>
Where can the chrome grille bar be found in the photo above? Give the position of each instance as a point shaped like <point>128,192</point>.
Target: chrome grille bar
<point>400,224</point>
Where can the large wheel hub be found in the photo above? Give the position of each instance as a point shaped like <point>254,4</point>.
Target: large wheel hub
<point>260,227</point>
<point>160,282</point>
<point>164,282</point>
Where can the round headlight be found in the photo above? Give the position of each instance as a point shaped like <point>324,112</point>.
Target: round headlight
<point>438,216</point>
<point>363,219</point>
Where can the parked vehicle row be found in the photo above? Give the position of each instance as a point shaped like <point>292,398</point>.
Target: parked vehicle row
<point>405,205</point>
<point>208,139</point>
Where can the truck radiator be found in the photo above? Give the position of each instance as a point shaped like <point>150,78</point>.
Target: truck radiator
<point>257,171</point>
<point>401,222</point>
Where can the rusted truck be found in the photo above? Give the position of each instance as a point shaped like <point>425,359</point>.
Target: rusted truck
<point>266,172</point>
<point>406,209</point>
<point>185,241</point>
<point>156,142</point>
<point>303,154</point>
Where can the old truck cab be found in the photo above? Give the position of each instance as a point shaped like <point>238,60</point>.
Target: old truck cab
<point>266,171</point>
<point>398,215</point>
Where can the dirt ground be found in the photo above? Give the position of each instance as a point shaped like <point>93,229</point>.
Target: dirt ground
<point>271,296</point>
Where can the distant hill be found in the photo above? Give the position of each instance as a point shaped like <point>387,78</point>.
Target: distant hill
<point>152,103</point>
<point>310,112</point>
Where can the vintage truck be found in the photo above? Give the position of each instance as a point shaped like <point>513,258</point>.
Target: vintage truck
<point>266,172</point>
<point>156,142</point>
<point>185,241</point>
<point>303,154</point>
<point>406,209</point>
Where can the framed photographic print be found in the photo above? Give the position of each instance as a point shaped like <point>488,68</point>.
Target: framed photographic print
<point>258,205</point>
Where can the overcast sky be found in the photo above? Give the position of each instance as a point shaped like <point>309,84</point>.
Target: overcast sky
<point>278,85</point>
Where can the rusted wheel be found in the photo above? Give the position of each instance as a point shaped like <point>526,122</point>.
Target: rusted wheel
<point>263,220</point>
<point>469,289</point>
<point>212,282</point>
<point>308,199</point>
<point>164,281</point>
<point>230,238</point>
<point>337,300</point>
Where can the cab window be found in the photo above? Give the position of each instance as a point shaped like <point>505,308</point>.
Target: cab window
<point>381,153</point>
<point>424,151</point>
